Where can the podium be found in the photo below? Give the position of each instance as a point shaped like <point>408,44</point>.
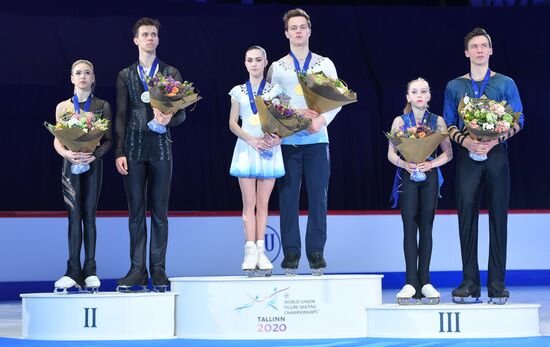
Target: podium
<point>99,316</point>
<point>258,308</point>
<point>453,321</point>
<point>278,307</point>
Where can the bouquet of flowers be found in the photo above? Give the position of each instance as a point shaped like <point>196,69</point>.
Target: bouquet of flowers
<point>323,93</point>
<point>416,144</point>
<point>79,132</point>
<point>277,117</point>
<point>169,95</point>
<point>486,119</point>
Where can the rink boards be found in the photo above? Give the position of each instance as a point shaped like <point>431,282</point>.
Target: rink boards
<point>278,307</point>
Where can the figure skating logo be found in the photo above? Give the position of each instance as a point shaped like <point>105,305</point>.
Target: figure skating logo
<point>266,302</point>
<point>272,243</point>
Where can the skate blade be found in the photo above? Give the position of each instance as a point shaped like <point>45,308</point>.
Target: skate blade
<point>76,289</point>
<point>91,290</point>
<point>430,301</point>
<point>264,273</point>
<point>290,272</point>
<point>131,289</point>
<point>160,288</point>
<point>250,272</point>
<point>317,272</point>
<point>408,301</point>
<point>466,301</point>
<point>498,301</point>
<point>60,291</point>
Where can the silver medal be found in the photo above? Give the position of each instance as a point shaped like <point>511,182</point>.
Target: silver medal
<point>145,97</point>
<point>466,99</point>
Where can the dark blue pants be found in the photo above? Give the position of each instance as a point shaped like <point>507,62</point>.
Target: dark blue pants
<point>472,178</point>
<point>312,164</point>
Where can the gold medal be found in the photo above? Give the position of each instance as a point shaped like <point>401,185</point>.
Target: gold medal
<point>254,119</point>
<point>298,89</point>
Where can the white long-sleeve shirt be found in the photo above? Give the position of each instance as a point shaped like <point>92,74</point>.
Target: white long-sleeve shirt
<point>283,73</point>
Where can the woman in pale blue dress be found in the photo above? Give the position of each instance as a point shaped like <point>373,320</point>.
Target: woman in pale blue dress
<point>257,159</point>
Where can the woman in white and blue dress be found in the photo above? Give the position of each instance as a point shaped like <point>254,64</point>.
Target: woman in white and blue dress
<point>257,159</point>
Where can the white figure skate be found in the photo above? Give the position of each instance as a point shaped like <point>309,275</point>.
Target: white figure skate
<point>92,284</point>
<point>250,261</point>
<point>405,295</point>
<point>431,296</point>
<point>264,265</point>
<point>63,285</point>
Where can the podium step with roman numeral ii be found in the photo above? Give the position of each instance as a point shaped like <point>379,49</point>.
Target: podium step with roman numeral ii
<point>277,307</point>
<point>453,321</point>
<point>100,316</point>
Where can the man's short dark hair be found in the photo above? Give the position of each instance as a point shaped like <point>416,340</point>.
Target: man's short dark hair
<point>474,33</point>
<point>145,21</point>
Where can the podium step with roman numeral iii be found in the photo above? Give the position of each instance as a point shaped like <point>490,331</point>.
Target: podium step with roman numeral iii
<point>453,321</point>
<point>100,316</point>
<point>278,307</point>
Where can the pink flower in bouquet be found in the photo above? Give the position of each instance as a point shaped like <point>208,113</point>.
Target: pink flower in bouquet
<point>502,126</point>
<point>498,109</point>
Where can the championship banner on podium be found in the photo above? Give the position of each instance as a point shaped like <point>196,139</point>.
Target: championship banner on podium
<point>279,307</point>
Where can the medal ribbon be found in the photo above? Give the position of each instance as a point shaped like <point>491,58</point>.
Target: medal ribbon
<point>251,94</point>
<point>302,70</point>
<point>86,105</point>
<point>479,92</point>
<point>412,121</point>
<point>151,73</point>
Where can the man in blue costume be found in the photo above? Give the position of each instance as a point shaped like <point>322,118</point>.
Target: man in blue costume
<point>491,175</point>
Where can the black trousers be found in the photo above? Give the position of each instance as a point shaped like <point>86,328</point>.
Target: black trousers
<point>151,178</point>
<point>491,175</point>
<point>81,196</point>
<point>418,202</point>
<point>312,163</point>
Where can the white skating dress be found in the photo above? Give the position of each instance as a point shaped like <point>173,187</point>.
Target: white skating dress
<point>247,162</point>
